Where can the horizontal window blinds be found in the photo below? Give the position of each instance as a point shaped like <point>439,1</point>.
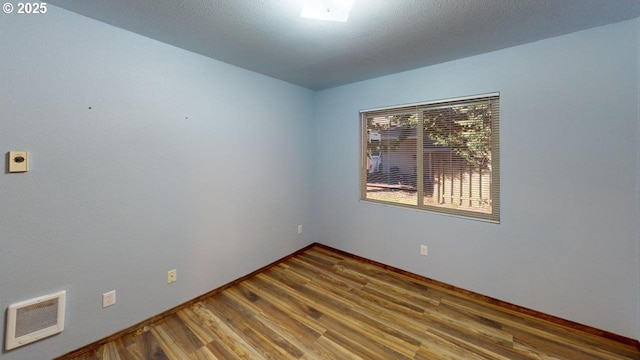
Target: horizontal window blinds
<point>438,156</point>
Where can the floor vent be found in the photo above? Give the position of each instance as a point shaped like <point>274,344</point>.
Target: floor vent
<point>35,319</point>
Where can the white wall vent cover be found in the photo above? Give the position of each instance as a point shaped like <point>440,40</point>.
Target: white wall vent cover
<point>35,319</point>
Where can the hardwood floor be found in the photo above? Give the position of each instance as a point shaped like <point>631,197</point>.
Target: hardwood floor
<point>321,304</point>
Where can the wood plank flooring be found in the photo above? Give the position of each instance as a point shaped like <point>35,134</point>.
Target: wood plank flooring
<point>320,304</point>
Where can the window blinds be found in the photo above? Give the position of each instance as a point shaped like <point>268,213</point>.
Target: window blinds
<point>440,156</point>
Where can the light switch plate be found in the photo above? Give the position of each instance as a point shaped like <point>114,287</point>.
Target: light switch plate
<point>18,161</point>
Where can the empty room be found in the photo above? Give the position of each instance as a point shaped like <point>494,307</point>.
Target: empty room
<point>298,179</point>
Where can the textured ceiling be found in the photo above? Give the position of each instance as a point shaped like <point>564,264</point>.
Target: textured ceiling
<point>381,37</point>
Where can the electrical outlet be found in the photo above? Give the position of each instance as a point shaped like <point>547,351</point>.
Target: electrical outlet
<point>108,298</point>
<point>299,229</point>
<point>423,250</point>
<point>172,276</point>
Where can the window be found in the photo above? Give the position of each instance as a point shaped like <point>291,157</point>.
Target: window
<point>440,156</point>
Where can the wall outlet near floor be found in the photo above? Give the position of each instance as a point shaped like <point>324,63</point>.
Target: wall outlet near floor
<point>423,250</point>
<point>108,298</point>
<point>299,229</point>
<point>172,276</point>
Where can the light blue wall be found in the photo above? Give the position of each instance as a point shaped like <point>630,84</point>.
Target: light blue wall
<point>185,162</point>
<point>568,239</point>
<point>122,193</point>
<point>638,131</point>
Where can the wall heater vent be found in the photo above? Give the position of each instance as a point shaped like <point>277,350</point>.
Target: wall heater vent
<point>35,319</point>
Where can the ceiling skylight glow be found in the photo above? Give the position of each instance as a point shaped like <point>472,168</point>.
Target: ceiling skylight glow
<point>327,10</point>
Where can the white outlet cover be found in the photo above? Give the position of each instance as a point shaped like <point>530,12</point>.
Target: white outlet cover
<point>423,250</point>
<point>108,298</point>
